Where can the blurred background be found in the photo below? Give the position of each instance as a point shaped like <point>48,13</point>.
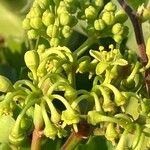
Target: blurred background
<point>12,37</point>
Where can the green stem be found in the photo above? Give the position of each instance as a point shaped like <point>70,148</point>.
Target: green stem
<point>25,82</point>
<point>37,42</point>
<point>63,100</point>
<point>122,142</point>
<point>140,143</point>
<point>133,73</point>
<point>55,116</point>
<point>107,77</point>
<point>20,116</point>
<point>97,102</point>
<point>55,85</point>
<point>45,115</point>
<point>89,42</point>
<point>71,78</point>
<point>103,118</point>
<point>78,100</point>
<point>54,50</point>
<point>137,136</point>
<point>108,104</point>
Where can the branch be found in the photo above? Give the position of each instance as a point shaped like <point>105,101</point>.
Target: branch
<point>139,38</point>
<point>137,30</point>
<point>36,140</point>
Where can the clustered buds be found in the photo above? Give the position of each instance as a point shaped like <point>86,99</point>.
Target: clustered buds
<point>42,20</point>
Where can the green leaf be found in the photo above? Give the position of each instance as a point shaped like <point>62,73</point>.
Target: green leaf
<point>11,24</point>
<point>120,62</point>
<point>4,146</point>
<point>51,144</point>
<point>131,41</point>
<point>6,124</point>
<point>136,3</point>
<point>94,143</point>
<point>101,67</point>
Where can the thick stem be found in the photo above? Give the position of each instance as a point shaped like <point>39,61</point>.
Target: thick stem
<point>90,41</point>
<point>36,140</point>
<point>139,38</point>
<point>76,137</point>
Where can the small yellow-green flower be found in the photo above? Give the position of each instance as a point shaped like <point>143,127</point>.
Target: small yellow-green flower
<point>70,117</point>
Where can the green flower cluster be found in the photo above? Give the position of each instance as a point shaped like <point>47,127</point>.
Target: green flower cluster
<point>53,77</point>
<point>116,104</point>
<point>57,20</point>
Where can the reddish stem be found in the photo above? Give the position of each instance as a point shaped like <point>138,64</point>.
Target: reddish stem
<point>76,137</point>
<point>36,140</point>
<point>139,38</point>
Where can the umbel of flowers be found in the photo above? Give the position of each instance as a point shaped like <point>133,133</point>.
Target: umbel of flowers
<point>116,105</point>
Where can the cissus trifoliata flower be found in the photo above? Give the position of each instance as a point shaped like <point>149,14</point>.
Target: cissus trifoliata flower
<point>70,117</point>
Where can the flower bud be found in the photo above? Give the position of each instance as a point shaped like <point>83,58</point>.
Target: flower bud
<point>90,12</point>
<point>111,133</point>
<point>64,18</point>
<point>41,71</point>
<point>99,24</point>
<point>66,31</point>
<point>35,11</point>
<point>43,3</point>
<point>70,94</point>
<point>121,16</point>
<point>69,1</point>
<point>38,118</point>
<point>62,8</point>
<point>98,3</point>
<point>36,22</point>
<point>5,85</point>
<point>52,31</point>
<point>48,18</point>
<point>54,42</point>
<point>110,6</point>
<point>50,131</point>
<point>26,24</point>
<point>41,49</point>
<point>32,34</point>
<point>93,117</point>
<point>70,117</point>
<point>117,38</point>
<point>146,14</point>
<point>32,60</point>
<point>117,29</point>
<point>55,117</point>
<point>108,18</point>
